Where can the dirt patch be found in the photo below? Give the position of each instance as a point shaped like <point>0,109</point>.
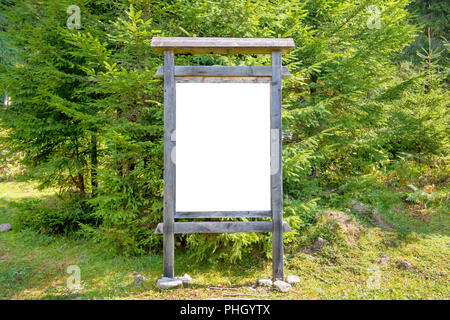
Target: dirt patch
<point>4,256</point>
<point>349,227</point>
<point>340,222</point>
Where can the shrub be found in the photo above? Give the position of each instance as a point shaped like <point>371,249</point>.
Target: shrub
<point>230,247</point>
<point>56,217</point>
<point>87,112</point>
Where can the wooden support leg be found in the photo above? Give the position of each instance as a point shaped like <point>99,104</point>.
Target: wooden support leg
<point>169,166</point>
<point>276,175</point>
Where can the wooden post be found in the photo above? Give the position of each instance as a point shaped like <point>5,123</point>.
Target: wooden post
<point>276,175</point>
<point>169,166</point>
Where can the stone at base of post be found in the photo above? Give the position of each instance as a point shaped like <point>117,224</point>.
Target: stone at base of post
<point>174,282</point>
<point>281,286</point>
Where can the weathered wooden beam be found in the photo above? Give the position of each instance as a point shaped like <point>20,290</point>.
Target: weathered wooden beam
<point>197,79</point>
<point>222,227</point>
<point>223,71</point>
<point>276,169</point>
<point>186,45</point>
<point>223,214</point>
<point>169,166</point>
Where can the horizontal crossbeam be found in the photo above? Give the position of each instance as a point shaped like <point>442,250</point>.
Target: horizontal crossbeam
<point>223,71</point>
<point>223,214</point>
<point>200,45</point>
<point>222,227</point>
<point>196,79</point>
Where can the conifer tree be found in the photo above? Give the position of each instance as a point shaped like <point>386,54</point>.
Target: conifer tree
<point>87,112</point>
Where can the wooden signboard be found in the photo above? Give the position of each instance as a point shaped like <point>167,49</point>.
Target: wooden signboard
<point>222,142</point>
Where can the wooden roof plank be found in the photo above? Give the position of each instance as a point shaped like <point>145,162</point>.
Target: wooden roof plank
<point>186,45</point>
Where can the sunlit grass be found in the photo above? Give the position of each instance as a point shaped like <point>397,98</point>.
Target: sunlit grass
<point>13,190</point>
<point>33,266</point>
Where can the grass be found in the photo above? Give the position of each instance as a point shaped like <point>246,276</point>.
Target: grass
<point>33,265</point>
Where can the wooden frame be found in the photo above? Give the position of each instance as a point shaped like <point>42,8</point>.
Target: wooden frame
<point>222,227</point>
<point>222,74</point>
<point>185,45</point>
<point>223,71</point>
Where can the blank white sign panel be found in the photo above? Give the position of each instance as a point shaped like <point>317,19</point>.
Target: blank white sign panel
<point>222,147</point>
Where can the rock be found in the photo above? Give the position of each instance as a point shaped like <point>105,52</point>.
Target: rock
<point>292,279</point>
<point>186,279</point>
<point>384,259</point>
<point>404,265</point>
<point>138,280</point>
<point>5,227</point>
<point>264,282</point>
<point>169,283</point>
<point>320,243</point>
<point>177,282</point>
<point>282,286</point>
<point>360,207</point>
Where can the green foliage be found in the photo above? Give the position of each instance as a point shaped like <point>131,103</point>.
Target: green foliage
<point>418,120</point>
<point>300,215</point>
<point>433,18</point>
<point>87,113</point>
<point>60,217</point>
<point>420,197</point>
<point>35,238</point>
<point>14,276</point>
<point>129,197</point>
<point>223,247</point>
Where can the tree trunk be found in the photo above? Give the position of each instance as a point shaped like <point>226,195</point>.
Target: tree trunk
<point>94,164</point>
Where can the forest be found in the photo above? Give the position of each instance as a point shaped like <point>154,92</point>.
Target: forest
<point>365,148</point>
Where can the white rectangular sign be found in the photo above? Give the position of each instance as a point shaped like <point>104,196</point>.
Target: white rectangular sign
<point>222,147</point>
